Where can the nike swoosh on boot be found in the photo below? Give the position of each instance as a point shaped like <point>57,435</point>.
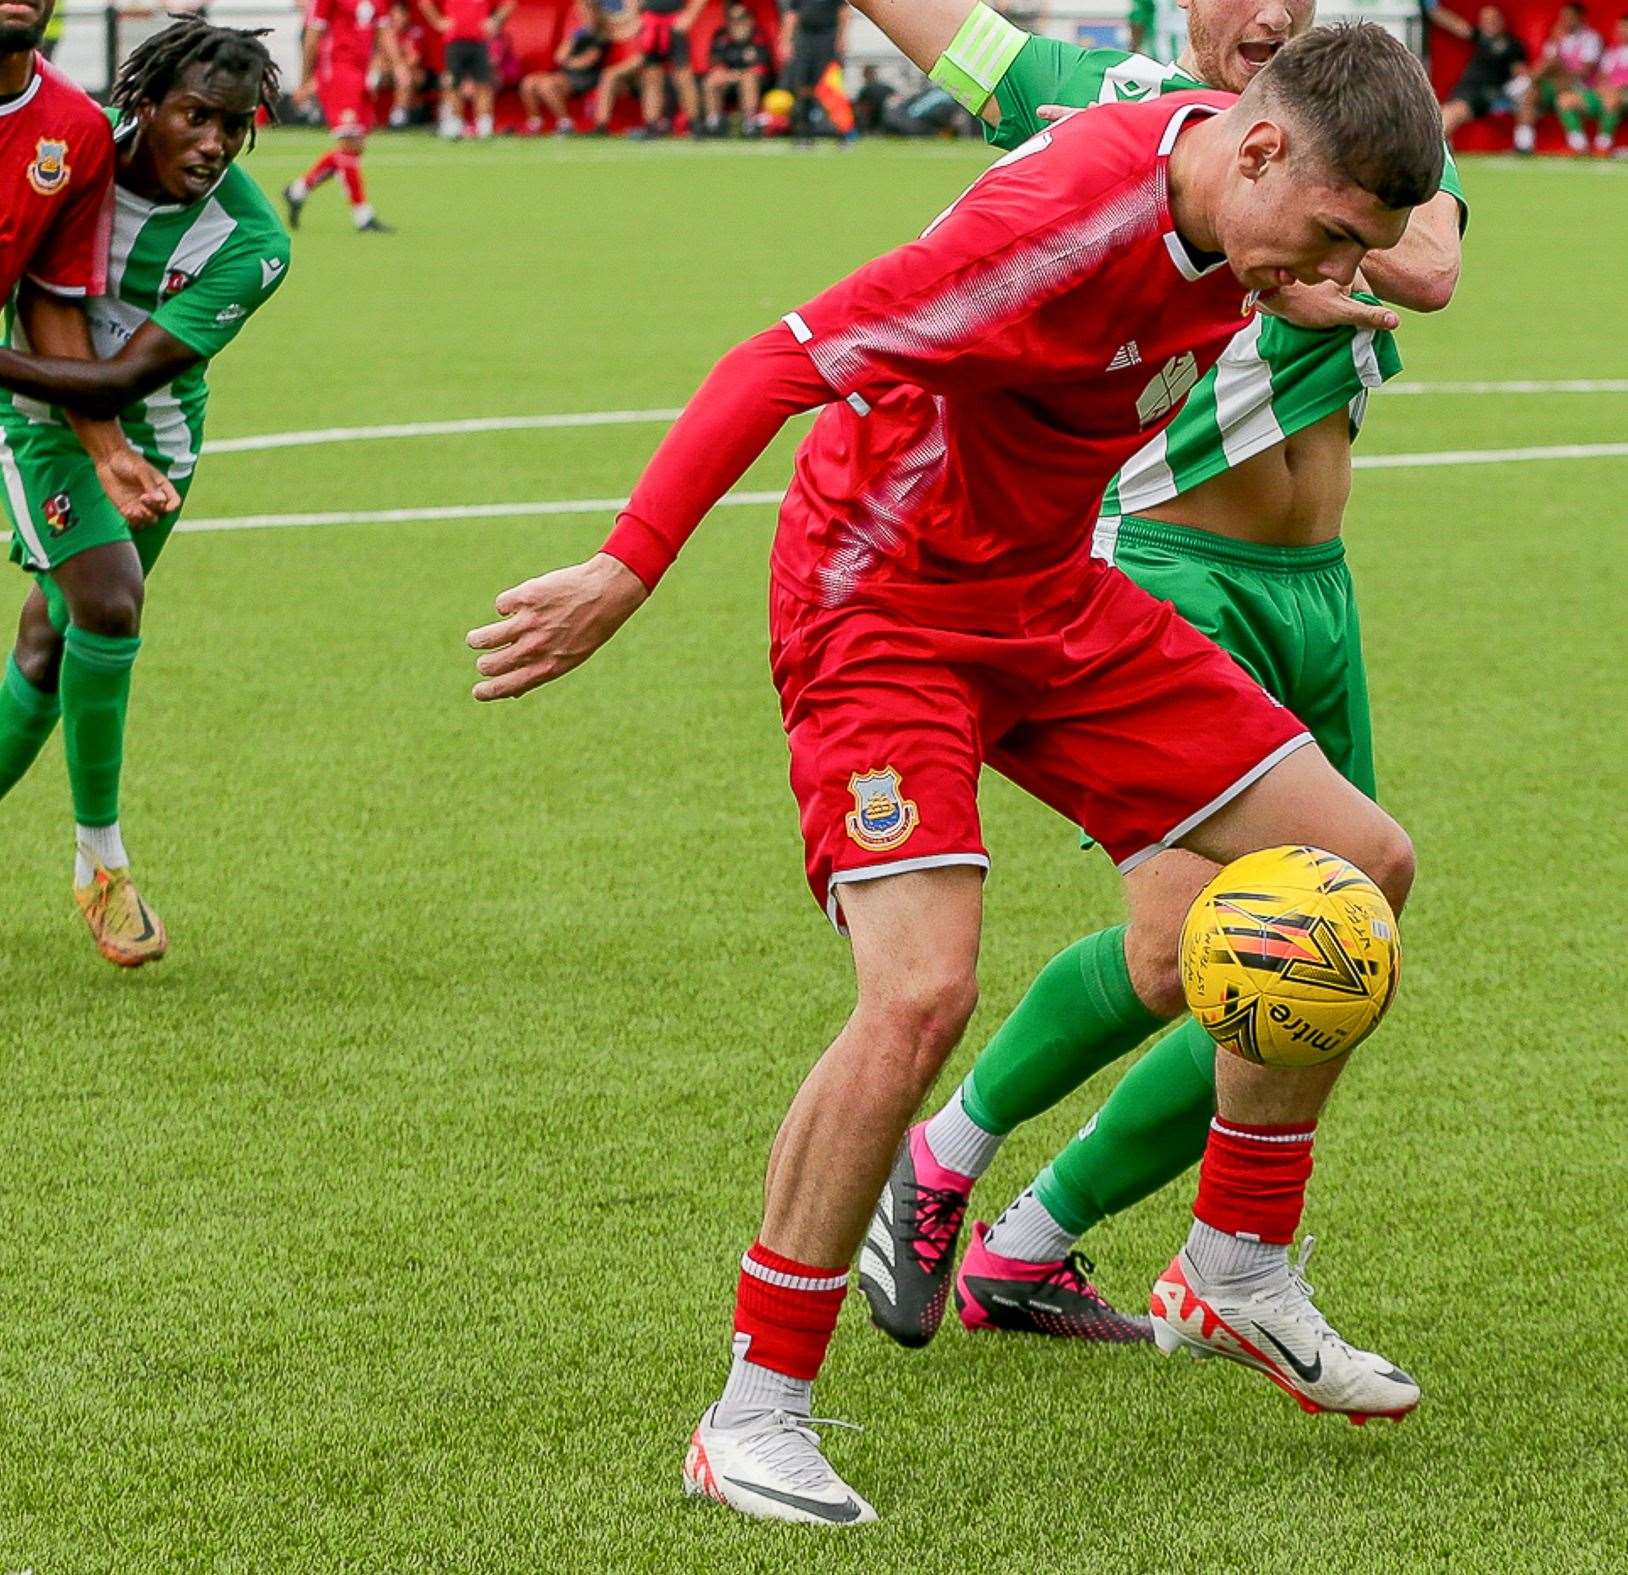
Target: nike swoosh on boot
<point>842,1513</point>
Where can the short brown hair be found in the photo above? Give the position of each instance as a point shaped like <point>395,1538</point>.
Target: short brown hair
<point>1368,105</point>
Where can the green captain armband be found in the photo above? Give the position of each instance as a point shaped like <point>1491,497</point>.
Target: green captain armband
<point>978,57</point>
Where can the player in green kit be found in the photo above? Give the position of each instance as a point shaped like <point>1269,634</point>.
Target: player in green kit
<point>196,250</point>
<point>1233,515</point>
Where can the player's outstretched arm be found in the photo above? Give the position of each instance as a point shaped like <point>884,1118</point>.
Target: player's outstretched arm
<point>555,622</point>
<point>100,389</point>
<point>924,31</point>
<point>921,30</point>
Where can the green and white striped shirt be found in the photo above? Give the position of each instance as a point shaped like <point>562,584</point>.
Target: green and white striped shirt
<point>1274,379</point>
<point>199,270</point>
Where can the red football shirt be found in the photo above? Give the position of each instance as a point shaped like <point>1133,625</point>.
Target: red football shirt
<point>991,378</point>
<point>348,28</point>
<point>466,19</point>
<point>56,187</point>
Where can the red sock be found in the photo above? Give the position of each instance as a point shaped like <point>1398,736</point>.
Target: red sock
<point>788,1309</point>
<point>321,170</point>
<point>1252,1181</point>
<point>349,164</point>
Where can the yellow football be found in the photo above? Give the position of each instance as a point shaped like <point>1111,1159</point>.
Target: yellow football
<point>1290,957</point>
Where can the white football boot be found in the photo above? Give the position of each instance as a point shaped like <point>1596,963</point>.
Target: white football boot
<point>774,1469</point>
<point>1278,1331</point>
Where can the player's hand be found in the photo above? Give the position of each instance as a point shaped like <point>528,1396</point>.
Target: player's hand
<point>1052,113</point>
<point>304,93</point>
<point>139,492</point>
<point>1326,305</point>
<point>553,624</point>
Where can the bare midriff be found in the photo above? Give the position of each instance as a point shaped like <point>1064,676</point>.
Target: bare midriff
<point>1292,495</point>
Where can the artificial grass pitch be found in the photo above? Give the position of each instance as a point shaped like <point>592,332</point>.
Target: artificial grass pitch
<point>391,1223</point>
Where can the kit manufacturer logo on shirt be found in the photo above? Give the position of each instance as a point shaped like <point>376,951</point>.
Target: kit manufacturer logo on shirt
<point>1126,355</point>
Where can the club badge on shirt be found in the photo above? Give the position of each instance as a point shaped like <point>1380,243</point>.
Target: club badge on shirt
<point>1171,384</point>
<point>49,172</point>
<point>882,817</point>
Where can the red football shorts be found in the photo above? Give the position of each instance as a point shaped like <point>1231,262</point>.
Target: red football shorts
<point>347,105</point>
<point>1118,714</point>
<point>662,42</point>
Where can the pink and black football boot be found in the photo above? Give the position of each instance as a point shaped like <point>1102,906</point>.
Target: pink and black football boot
<point>1057,1298</point>
<point>909,1252</point>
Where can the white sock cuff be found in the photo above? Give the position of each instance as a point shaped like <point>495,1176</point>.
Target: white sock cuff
<point>957,1142</point>
<point>792,1282</point>
<point>1297,1135</point>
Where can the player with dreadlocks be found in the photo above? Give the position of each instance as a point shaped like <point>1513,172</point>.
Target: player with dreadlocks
<point>196,251</point>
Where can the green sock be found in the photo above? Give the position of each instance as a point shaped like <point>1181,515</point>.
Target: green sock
<point>27,716</point>
<point>1153,1126</point>
<point>1080,1014</point>
<point>95,696</point>
<point>1610,119</point>
<point>1571,120</point>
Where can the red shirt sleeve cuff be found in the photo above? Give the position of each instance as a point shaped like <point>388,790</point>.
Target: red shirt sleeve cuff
<point>635,545</point>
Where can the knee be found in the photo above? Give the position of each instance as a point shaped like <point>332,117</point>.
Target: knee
<point>1151,958</point>
<point>112,608</point>
<point>1392,865</point>
<point>918,1024</point>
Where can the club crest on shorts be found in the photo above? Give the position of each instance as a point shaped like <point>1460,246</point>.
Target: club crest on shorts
<point>49,172</point>
<point>58,512</point>
<point>882,817</point>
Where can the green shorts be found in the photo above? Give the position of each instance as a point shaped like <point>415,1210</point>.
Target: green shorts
<point>1287,615</point>
<point>57,505</point>
<point>1549,100</point>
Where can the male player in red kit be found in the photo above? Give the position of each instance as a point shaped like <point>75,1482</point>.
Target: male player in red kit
<point>935,607</point>
<point>341,38</point>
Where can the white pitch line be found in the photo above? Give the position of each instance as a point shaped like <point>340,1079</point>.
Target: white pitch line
<point>410,429</point>
<point>318,436</point>
<point>459,511</point>
<point>1490,456</point>
<point>1571,385</point>
<point>483,511</point>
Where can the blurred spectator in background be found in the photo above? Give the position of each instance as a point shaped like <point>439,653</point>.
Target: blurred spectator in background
<point>506,68</point>
<point>1159,27</point>
<point>1612,86</point>
<point>664,45</point>
<point>468,28</point>
<point>577,65</point>
<point>1493,79</point>
<point>624,62</point>
<point>1561,82</point>
<point>739,63</point>
<point>811,39</point>
<point>407,75</point>
<point>871,103</point>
